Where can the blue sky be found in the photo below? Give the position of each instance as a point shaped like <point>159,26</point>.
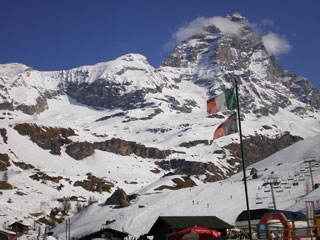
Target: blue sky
<point>63,34</point>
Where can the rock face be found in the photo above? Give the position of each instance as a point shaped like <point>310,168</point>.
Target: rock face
<point>126,148</point>
<point>46,137</point>
<point>3,133</point>
<point>80,150</point>
<point>260,147</point>
<point>119,198</point>
<point>4,162</point>
<point>94,184</point>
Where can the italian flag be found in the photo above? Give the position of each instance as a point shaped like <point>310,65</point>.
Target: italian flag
<point>222,102</point>
<point>228,127</point>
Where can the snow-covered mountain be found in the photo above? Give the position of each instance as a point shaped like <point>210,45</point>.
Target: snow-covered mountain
<point>73,137</point>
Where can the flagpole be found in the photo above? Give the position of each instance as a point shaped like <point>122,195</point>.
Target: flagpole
<point>243,162</point>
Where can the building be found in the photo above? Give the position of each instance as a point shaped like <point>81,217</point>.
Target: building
<point>164,226</point>
<point>256,215</point>
<point>19,228</point>
<point>105,233</point>
<point>7,235</point>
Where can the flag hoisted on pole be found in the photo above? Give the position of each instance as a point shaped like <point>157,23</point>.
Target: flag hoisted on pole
<point>229,100</point>
<point>243,162</point>
<point>222,102</point>
<point>228,127</point>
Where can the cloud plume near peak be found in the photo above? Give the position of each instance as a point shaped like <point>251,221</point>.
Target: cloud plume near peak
<point>274,43</point>
<point>225,25</point>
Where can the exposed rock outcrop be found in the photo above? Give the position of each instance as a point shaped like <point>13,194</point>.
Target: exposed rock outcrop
<point>185,182</point>
<point>119,198</point>
<point>94,184</point>
<point>259,147</point>
<point>3,133</point>
<point>80,150</point>
<point>126,148</point>
<point>4,162</point>
<point>40,106</point>
<point>184,167</point>
<point>50,138</point>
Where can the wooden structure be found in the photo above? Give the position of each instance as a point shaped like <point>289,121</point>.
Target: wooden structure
<point>19,228</point>
<point>164,226</point>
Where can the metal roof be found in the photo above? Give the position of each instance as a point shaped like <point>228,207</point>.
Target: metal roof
<point>181,222</point>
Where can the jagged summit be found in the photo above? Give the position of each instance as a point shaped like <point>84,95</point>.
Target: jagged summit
<point>237,17</point>
<point>216,59</point>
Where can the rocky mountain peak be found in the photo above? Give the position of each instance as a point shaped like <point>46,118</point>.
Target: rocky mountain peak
<point>227,50</point>
<point>237,17</point>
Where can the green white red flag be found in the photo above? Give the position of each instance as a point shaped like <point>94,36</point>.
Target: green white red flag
<point>228,127</point>
<point>222,102</point>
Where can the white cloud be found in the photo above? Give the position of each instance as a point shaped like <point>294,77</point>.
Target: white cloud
<point>275,44</point>
<point>225,25</point>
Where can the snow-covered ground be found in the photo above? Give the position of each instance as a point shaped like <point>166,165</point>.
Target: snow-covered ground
<point>224,199</point>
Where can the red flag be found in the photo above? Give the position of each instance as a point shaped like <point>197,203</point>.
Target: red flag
<point>228,127</point>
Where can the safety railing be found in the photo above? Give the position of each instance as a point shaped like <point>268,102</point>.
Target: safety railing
<point>279,230</point>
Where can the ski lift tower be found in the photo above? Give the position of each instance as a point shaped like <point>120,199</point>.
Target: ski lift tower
<point>310,161</point>
<point>272,180</point>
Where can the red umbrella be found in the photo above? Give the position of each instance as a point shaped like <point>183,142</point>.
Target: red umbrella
<point>195,233</point>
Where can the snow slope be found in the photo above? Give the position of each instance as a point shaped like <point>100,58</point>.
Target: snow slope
<point>224,199</point>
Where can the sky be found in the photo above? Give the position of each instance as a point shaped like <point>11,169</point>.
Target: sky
<point>60,35</point>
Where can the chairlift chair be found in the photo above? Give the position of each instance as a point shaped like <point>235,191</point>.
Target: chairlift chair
<point>279,190</point>
<point>276,186</point>
<point>259,201</point>
<point>267,189</point>
<point>290,178</point>
<point>270,205</point>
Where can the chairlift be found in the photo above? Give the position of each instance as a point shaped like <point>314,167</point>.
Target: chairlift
<point>267,189</point>
<point>279,190</point>
<point>259,200</point>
